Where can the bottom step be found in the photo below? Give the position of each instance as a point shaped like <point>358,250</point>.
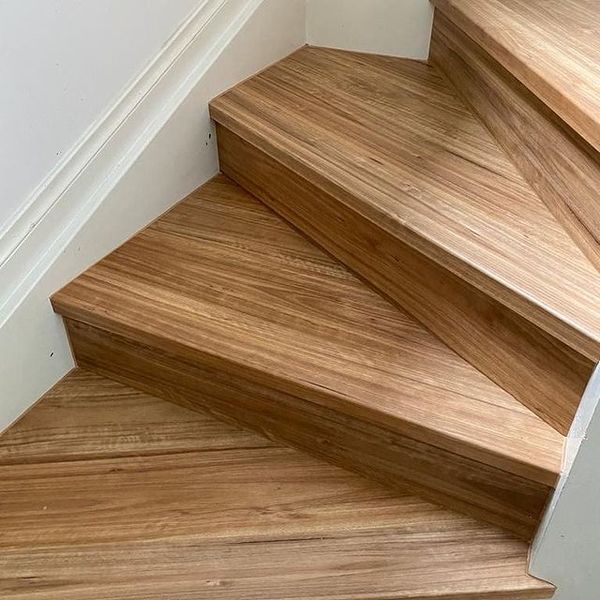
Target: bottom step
<point>106,492</point>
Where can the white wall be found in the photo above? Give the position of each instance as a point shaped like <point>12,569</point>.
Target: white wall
<point>63,63</point>
<point>391,27</point>
<point>566,550</point>
<point>155,146</point>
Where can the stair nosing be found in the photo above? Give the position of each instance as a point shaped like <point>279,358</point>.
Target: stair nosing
<point>542,87</point>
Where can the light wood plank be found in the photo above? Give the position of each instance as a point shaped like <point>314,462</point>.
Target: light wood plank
<point>212,495</point>
<point>564,171</point>
<point>224,287</point>
<point>551,46</point>
<point>82,418</point>
<point>220,522</point>
<point>424,186</point>
<point>380,566</point>
<point>489,493</point>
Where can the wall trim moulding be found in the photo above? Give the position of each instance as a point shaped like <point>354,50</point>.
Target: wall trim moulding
<point>70,193</point>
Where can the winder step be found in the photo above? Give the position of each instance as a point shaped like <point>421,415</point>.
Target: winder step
<point>221,304</point>
<point>108,492</point>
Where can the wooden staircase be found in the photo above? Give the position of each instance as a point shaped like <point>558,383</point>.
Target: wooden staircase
<point>387,277</point>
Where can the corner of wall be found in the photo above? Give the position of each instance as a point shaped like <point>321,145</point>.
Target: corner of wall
<point>571,525</point>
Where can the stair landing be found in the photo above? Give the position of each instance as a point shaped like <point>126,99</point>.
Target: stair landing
<point>106,492</point>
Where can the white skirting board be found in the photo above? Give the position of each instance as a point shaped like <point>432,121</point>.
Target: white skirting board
<point>152,149</point>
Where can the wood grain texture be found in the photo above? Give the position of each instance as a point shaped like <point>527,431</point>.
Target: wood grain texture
<point>392,140</point>
<point>551,46</point>
<point>380,162</point>
<point>491,494</point>
<point>564,170</point>
<point>79,419</point>
<point>220,518</point>
<point>469,565</point>
<point>223,284</point>
<point>545,375</point>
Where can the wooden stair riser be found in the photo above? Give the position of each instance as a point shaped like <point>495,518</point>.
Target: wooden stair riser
<point>562,168</point>
<point>486,492</point>
<point>544,373</point>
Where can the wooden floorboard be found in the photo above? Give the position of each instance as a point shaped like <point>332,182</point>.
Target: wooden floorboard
<point>380,161</point>
<point>223,284</point>
<point>551,46</point>
<point>230,516</point>
<point>562,168</point>
<point>481,490</point>
<point>79,419</point>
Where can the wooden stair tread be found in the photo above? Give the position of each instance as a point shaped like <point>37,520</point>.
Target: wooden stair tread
<point>391,139</point>
<point>551,46</point>
<point>224,276</point>
<point>112,512</point>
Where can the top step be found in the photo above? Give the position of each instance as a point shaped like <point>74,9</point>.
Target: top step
<point>551,46</point>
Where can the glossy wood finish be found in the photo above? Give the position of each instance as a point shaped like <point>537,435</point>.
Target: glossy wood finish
<point>551,46</point>
<point>113,511</point>
<point>564,170</point>
<point>221,294</point>
<point>407,187</point>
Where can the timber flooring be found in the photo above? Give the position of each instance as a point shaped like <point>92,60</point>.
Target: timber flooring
<point>222,294</point>
<point>107,492</point>
<point>562,168</point>
<point>551,46</point>
<point>380,161</point>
